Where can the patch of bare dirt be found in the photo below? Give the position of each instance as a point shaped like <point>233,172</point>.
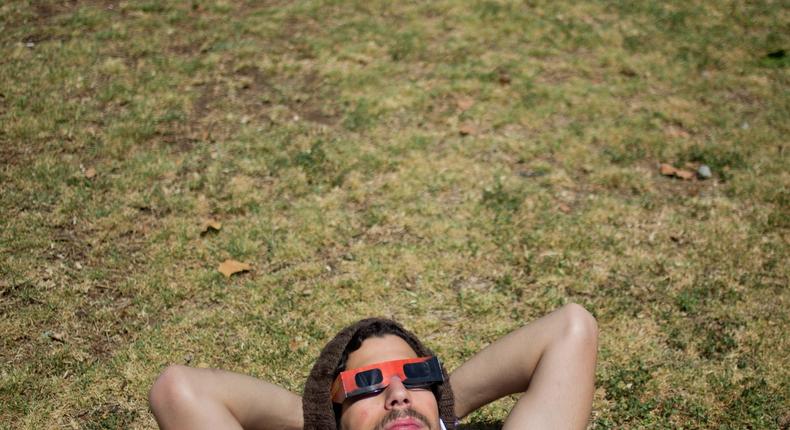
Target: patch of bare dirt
<point>8,154</point>
<point>306,96</point>
<point>16,294</point>
<point>315,107</point>
<point>94,316</point>
<point>202,105</point>
<point>46,10</point>
<point>107,415</point>
<point>303,94</point>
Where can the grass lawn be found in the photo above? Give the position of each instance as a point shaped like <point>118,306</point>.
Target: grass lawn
<point>461,166</point>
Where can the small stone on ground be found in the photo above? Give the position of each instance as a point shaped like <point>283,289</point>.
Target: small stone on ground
<point>704,172</point>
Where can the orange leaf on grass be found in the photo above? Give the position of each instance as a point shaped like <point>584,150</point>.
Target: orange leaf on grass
<point>231,267</point>
<point>210,225</point>
<point>467,129</point>
<point>667,169</point>
<point>464,103</point>
<point>90,173</point>
<point>684,174</point>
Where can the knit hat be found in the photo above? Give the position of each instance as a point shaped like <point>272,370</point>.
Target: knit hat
<point>317,405</point>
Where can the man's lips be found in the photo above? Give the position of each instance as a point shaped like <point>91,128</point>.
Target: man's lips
<point>407,423</point>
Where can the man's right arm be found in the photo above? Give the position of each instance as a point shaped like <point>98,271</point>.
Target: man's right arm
<point>190,398</point>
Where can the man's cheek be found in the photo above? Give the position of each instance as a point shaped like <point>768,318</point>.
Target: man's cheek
<point>367,419</point>
<point>359,417</point>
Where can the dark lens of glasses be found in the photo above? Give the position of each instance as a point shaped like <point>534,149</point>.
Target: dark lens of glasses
<point>368,378</point>
<point>417,370</point>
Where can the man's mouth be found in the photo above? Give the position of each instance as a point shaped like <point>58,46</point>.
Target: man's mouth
<point>407,423</point>
<point>404,419</point>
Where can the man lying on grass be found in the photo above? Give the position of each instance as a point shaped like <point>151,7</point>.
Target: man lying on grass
<point>375,375</point>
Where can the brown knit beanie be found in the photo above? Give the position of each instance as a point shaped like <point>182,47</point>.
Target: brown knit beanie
<point>316,402</point>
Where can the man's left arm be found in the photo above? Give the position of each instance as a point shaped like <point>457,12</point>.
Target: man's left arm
<point>550,360</point>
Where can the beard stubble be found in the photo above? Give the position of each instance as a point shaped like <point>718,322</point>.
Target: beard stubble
<point>402,413</point>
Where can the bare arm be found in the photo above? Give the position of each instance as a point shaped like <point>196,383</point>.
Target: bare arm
<point>551,360</point>
<point>189,398</point>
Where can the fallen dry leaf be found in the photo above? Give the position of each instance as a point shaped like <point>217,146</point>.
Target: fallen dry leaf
<point>210,226</point>
<point>296,343</point>
<point>667,169</point>
<point>674,131</point>
<point>90,173</point>
<point>564,208</point>
<point>467,129</point>
<point>684,174</point>
<point>464,103</point>
<point>57,336</point>
<point>231,267</point>
<point>629,72</point>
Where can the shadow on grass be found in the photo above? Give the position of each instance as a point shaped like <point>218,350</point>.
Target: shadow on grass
<point>482,426</point>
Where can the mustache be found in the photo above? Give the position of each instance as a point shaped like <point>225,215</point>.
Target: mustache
<point>402,413</point>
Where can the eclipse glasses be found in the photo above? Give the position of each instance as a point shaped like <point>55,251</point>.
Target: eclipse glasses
<point>413,373</point>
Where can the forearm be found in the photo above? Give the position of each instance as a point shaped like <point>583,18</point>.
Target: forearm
<point>502,368</point>
<point>260,405</point>
<point>189,398</point>
<point>551,360</point>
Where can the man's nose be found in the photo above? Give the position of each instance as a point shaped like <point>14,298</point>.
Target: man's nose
<point>397,396</point>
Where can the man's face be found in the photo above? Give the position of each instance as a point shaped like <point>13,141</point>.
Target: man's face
<point>395,408</point>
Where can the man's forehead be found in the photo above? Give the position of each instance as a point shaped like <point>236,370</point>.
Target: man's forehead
<point>378,349</point>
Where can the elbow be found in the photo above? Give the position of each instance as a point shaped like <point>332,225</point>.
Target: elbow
<point>171,391</point>
<point>579,325</point>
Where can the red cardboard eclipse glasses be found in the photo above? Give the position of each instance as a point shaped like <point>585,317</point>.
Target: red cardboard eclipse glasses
<point>413,373</point>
